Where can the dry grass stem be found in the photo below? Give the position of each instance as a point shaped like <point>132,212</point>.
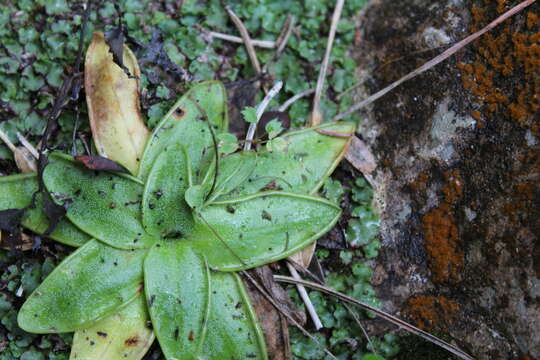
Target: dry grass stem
<point>246,38</point>
<point>281,41</point>
<point>316,115</point>
<point>402,324</point>
<point>296,97</point>
<point>27,145</point>
<point>438,59</point>
<point>305,298</point>
<point>266,44</point>
<point>260,111</point>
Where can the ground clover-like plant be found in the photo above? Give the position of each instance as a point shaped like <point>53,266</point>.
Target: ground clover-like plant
<point>164,243</point>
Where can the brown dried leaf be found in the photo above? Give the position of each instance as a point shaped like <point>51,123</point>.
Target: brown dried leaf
<point>118,128</point>
<point>273,323</point>
<point>25,160</point>
<point>25,243</point>
<point>360,156</point>
<point>304,256</point>
<point>99,163</point>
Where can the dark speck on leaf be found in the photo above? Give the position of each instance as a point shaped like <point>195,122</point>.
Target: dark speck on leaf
<point>152,298</point>
<point>265,215</point>
<point>230,209</point>
<point>132,341</point>
<point>92,343</point>
<point>152,206</point>
<point>158,194</point>
<point>77,192</point>
<point>102,334</point>
<point>112,205</point>
<point>115,263</point>
<point>101,193</point>
<point>191,336</point>
<point>238,305</point>
<point>176,333</point>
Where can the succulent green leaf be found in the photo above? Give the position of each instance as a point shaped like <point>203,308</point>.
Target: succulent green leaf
<point>93,282</point>
<point>253,230</point>
<point>165,212</point>
<point>102,204</point>
<point>233,171</point>
<point>309,158</point>
<point>123,335</point>
<point>195,196</point>
<point>177,287</point>
<point>16,192</point>
<point>187,123</point>
<point>233,329</point>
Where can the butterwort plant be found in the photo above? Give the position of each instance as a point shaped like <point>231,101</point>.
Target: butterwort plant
<point>159,248</point>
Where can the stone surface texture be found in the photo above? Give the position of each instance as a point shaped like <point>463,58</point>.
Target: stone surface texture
<point>458,170</point>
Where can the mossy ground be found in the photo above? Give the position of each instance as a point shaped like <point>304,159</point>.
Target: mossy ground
<point>39,46</point>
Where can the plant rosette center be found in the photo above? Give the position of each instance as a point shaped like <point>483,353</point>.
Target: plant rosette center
<point>164,243</point>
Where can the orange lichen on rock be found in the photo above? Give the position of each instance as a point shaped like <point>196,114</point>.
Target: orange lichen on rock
<point>454,187</point>
<point>431,312</point>
<point>505,74</point>
<point>420,183</point>
<point>533,20</point>
<point>441,234</point>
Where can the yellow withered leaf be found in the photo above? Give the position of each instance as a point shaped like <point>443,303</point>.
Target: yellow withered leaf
<point>117,126</point>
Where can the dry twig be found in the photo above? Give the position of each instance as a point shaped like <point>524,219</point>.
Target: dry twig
<point>247,39</point>
<point>305,297</point>
<point>281,41</point>
<point>438,59</point>
<point>410,328</point>
<point>260,111</point>
<point>296,97</point>
<point>266,44</point>
<point>316,115</point>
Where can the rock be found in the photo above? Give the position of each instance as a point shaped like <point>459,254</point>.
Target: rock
<point>458,170</point>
